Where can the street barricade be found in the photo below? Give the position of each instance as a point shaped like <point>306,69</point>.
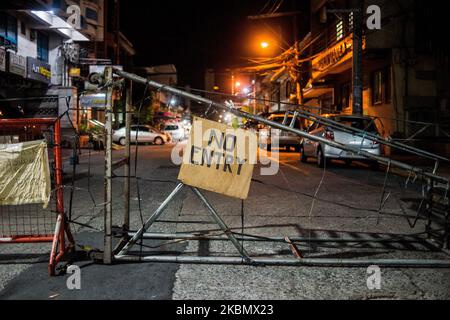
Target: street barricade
<point>31,192</point>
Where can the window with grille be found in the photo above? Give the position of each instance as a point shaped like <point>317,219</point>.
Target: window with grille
<point>350,21</point>
<point>339,30</point>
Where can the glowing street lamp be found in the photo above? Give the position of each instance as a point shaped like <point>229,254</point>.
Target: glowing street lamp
<point>264,44</point>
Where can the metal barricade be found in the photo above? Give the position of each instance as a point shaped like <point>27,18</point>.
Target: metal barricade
<point>124,250</point>
<point>31,223</point>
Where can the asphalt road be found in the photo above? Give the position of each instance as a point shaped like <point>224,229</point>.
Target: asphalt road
<point>346,205</point>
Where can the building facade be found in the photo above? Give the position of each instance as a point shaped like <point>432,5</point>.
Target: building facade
<point>33,73</point>
<point>99,22</point>
<point>405,68</point>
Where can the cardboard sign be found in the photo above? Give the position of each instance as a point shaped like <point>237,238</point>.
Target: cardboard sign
<point>24,173</point>
<point>219,158</point>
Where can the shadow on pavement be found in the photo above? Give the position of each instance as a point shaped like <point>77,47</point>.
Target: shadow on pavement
<point>121,281</point>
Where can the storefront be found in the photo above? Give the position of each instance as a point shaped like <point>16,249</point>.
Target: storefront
<point>13,72</point>
<point>24,83</point>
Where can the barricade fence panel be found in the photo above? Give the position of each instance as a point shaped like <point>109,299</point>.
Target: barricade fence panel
<point>37,222</point>
<point>28,222</point>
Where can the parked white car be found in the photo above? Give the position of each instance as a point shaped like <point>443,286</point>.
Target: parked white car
<point>143,133</point>
<point>324,152</point>
<point>175,130</point>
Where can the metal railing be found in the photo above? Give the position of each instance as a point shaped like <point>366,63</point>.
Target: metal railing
<point>331,35</point>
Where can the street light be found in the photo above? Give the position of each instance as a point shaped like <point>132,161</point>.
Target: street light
<point>264,44</point>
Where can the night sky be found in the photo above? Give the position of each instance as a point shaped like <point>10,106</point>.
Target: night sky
<point>195,35</point>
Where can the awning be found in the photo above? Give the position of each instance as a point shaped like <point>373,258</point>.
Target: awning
<point>50,21</point>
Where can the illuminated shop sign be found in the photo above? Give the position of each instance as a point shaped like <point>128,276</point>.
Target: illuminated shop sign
<point>38,70</point>
<point>97,100</point>
<point>333,56</point>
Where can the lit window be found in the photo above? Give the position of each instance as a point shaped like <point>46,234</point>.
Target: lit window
<point>339,30</point>
<point>350,20</point>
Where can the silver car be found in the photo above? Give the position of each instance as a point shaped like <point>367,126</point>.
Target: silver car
<point>144,134</point>
<point>323,152</point>
<point>176,131</point>
<point>287,140</point>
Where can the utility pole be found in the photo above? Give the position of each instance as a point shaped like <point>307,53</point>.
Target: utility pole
<point>357,104</point>
<point>127,167</point>
<point>297,71</point>
<point>116,12</point>
<point>108,243</point>
<point>357,48</point>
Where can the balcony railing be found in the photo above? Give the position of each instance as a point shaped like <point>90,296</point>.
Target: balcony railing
<point>332,34</point>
